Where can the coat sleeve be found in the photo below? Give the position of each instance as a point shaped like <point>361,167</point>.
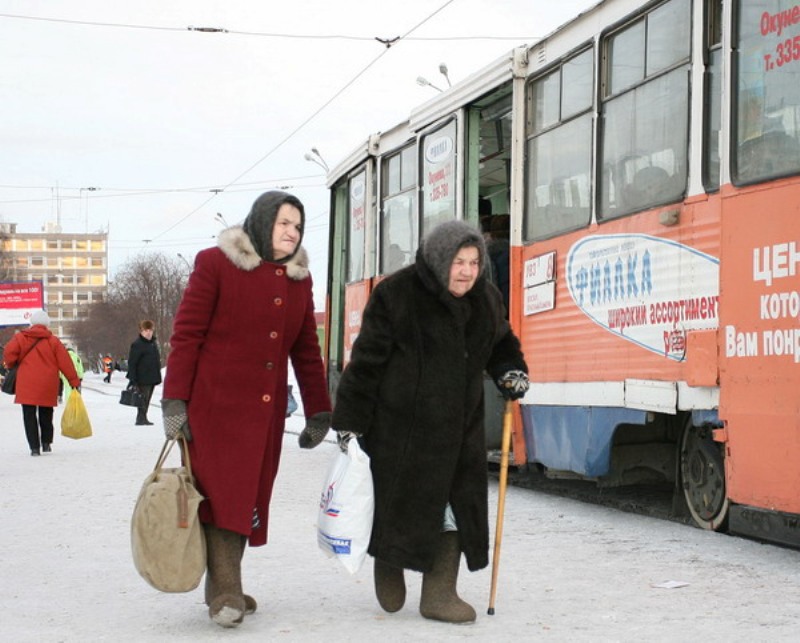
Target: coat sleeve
<point>134,355</point>
<point>307,362</point>
<point>192,322</point>
<point>357,393</point>
<point>507,351</point>
<point>11,352</point>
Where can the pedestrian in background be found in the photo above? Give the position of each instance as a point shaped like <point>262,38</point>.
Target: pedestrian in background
<point>248,308</point>
<point>41,357</point>
<point>108,368</point>
<point>144,368</point>
<point>413,392</point>
<point>77,362</point>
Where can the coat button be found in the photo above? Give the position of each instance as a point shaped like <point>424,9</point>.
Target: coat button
<point>279,272</point>
<point>266,398</point>
<point>278,301</point>
<point>270,365</point>
<point>273,334</point>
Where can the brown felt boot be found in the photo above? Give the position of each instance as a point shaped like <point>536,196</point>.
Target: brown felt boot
<point>390,586</point>
<point>439,600</point>
<point>250,604</point>
<point>226,606</point>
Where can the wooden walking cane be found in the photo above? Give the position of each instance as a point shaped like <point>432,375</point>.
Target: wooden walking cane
<point>501,499</point>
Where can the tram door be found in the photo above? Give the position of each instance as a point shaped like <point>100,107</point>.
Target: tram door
<point>487,202</point>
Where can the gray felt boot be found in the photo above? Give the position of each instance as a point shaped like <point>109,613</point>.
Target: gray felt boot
<point>250,604</point>
<point>226,604</point>
<point>439,600</point>
<point>390,586</point>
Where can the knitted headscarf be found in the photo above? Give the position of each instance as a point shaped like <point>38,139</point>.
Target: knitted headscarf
<point>259,223</point>
<point>442,244</point>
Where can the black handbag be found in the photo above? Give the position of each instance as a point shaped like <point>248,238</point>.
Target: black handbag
<point>10,380</point>
<point>131,396</point>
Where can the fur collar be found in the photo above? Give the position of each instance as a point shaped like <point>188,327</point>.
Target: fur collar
<point>237,247</point>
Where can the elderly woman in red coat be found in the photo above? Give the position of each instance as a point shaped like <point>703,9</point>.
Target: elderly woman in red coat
<point>247,309</point>
<point>41,357</point>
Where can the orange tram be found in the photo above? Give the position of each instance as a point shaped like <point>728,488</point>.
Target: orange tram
<point>647,159</point>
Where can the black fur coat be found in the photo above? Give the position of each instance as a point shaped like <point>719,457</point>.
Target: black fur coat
<point>414,390</point>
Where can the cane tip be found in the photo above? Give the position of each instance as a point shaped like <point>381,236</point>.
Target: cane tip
<point>490,611</point>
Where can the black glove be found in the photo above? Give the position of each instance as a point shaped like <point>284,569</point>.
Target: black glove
<point>343,439</point>
<point>317,427</point>
<point>513,385</point>
<point>176,420</point>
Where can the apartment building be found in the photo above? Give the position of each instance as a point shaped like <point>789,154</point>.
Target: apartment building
<point>72,266</point>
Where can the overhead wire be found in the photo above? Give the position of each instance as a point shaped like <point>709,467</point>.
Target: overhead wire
<point>258,34</point>
<point>307,120</point>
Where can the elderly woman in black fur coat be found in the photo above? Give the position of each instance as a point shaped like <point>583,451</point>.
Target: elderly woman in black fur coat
<point>413,393</point>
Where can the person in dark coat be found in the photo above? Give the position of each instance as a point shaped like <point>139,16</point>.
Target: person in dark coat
<point>41,357</point>
<point>413,392</point>
<point>144,368</point>
<point>247,309</point>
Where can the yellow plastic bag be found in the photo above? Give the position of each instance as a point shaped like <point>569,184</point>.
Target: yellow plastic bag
<point>75,421</point>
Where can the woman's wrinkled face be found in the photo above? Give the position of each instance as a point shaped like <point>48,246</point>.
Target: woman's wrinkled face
<point>286,231</point>
<point>464,271</point>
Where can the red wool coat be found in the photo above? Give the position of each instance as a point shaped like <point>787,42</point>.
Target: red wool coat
<point>239,322</point>
<point>38,374</point>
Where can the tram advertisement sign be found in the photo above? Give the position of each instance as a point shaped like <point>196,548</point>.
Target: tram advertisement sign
<point>19,300</point>
<point>647,290</point>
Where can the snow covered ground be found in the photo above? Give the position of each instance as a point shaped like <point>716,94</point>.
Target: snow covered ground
<point>568,571</point>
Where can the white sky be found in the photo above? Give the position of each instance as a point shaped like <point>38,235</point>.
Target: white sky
<point>156,116</point>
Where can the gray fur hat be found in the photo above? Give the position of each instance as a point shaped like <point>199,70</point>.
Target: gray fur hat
<point>442,244</point>
<point>259,223</point>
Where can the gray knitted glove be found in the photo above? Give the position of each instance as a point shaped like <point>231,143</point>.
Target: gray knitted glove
<point>176,420</point>
<point>317,427</point>
<point>343,439</point>
<point>513,385</point>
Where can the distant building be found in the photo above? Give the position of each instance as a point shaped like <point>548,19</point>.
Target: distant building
<point>72,266</point>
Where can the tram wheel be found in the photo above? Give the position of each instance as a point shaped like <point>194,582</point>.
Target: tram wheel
<point>703,477</point>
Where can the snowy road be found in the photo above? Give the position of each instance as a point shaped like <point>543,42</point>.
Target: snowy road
<point>569,571</point>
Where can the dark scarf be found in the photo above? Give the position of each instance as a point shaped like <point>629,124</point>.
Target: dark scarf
<point>259,223</point>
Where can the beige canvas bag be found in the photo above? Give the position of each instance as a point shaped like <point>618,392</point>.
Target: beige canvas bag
<point>167,539</point>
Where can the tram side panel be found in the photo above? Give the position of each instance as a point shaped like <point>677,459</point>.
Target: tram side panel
<point>760,365</point>
<point>608,347</point>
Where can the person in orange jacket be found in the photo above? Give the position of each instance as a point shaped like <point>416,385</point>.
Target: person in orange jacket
<point>108,368</point>
<point>41,357</point>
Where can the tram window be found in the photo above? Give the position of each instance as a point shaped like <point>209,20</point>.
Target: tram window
<point>559,149</point>
<point>398,233</point>
<point>767,96</point>
<point>645,146</point>
<point>712,123</point>
<point>627,63</point>
<point>578,80</point>
<point>668,36</point>
<point>546,98</point>
<point>645,117</point>
<point>438,176</point>
<point>559,179</point>
<point>357,230</point>
<point>399,223</point>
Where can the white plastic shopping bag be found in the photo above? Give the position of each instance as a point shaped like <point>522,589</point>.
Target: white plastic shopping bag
<point>346,506</point>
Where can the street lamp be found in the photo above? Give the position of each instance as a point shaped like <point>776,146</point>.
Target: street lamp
<point>185,260</point>
<point>220,219</point>
<point>315,157</point>
<point>424,82</point>
<point>443,72</point>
